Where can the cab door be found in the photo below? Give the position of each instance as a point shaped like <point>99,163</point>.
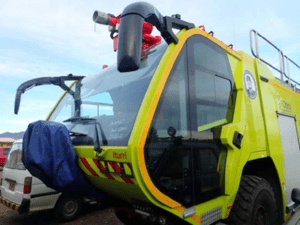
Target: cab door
<point>210,86</point>
<point>183,156</point>
<point>167,150</point>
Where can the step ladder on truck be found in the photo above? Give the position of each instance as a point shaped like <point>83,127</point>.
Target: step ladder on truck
<point>184,129</point>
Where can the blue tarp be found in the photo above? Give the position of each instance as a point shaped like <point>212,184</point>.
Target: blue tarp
<point>49,155</point>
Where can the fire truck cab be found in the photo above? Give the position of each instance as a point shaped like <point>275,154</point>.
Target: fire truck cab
<point>186,129</point>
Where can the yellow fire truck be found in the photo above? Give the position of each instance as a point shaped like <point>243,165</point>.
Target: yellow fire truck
<point>188,130</point>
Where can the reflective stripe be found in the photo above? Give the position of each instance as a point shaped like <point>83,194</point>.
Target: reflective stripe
<point>117,168</point>
<point>127,168</point>
<point>116,171</point>
<point>9,204</point>
<point>110,167</point>
<point>284,89</point>
<point>102,169</point>
<point>87,165</point>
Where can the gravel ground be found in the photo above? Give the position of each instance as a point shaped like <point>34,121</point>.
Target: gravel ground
<point>92,214</point>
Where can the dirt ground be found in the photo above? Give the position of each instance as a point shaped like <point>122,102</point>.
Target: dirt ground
<point>92,214</point>
<point>96,214</point>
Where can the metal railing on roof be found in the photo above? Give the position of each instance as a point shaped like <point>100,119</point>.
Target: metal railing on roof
<point>283,59</point>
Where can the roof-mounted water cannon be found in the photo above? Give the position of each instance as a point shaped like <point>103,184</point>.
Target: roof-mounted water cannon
<point>101,18</point>
<point>114,22</point>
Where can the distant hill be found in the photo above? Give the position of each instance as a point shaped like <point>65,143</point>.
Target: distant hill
<point>17,135</point>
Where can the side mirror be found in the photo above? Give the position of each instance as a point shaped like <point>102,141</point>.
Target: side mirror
<point>171,131</point>
<point>131,30</point>
<point>296,195</point>
<point>130,33</point>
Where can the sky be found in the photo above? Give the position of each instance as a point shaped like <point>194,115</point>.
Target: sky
<point>58,37</point>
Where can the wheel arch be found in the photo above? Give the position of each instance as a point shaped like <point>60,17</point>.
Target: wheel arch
<point>266,169</point>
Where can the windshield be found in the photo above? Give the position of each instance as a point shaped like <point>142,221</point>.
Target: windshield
<point>13,160</point>
<point>112,99</point>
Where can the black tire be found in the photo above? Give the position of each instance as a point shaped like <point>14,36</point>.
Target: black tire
<point>68,208</point>
<point>255,203</point>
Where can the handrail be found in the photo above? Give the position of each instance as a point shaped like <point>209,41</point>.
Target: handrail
<point>288,67</point>
<point>282,58</point>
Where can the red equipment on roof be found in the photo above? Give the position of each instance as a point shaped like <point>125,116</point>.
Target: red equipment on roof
<point>107,19</point>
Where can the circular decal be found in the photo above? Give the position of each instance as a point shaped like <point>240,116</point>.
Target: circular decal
<point>250,85</point>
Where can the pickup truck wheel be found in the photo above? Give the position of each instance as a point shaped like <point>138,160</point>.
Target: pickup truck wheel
<point>68,208</point>
<point>255,203</point>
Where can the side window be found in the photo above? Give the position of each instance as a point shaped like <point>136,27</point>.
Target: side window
<point>211,82</point>
<point>172,109</point>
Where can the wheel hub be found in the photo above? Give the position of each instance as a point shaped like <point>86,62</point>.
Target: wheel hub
<point>260,216</point>
<point>70,207</point>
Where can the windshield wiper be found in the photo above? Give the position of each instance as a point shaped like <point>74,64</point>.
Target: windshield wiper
<point>59,81</point>
<point>72,133</point>
<point>79,119</point>
<point>97,147</point>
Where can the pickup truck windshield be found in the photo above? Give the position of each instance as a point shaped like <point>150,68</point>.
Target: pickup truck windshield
<point>112,99</point>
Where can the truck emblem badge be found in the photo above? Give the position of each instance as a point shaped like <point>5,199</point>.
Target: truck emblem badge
<point>283,105</point>
<point>250,85</point>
